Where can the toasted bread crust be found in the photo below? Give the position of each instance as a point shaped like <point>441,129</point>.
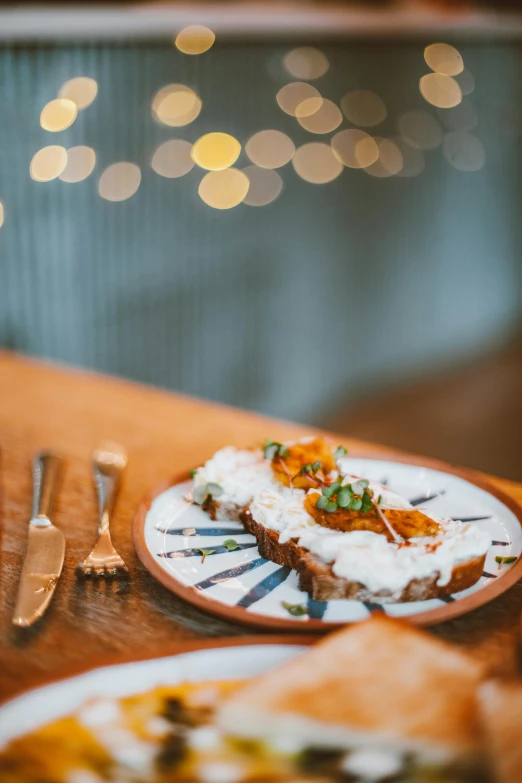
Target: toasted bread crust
<point>319,581</point>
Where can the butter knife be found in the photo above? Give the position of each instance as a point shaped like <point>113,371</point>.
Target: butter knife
<point>45,551</point>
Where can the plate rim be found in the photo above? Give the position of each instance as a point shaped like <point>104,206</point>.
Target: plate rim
<point>172,650</point>
<point>239,615</point>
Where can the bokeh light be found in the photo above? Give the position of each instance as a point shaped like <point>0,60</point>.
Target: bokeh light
<point>465,81</point>
<point>420,130</point>
<point>440,90</point>
<point>355,148</point>
<point>316,163</point>
<point>265,186</point>
<point>294,95</point>
<point>216,151</point>
<point>389,162</point>
<point>443,58</point>
<point>48,163</point>
<point>119,181</point>
<point>461,117</point>
<point>464,151</point>
<point>413,161</point>
<point>173,159</point>
<point>82,90</point>
<point>224,189</point>
<point>326,119</point>
<point>308,107</point>
<point>59,114</point>
<point>364,108</point>
<point>195,39</point>
<point>2,214</point>
<point>306,63</point>
<point>270,149</point>
<point>176,105</point>
<point>80,164</point>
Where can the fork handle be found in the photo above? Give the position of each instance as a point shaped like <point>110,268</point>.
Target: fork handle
<point>47,468</point>
<point>107,485</point>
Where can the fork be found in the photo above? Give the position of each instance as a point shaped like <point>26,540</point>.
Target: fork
<point>108,466</point>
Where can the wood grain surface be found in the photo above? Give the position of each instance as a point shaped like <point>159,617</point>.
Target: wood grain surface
<point>44,406</point>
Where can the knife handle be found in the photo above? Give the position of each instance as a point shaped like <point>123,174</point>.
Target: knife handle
<point>46,476</point>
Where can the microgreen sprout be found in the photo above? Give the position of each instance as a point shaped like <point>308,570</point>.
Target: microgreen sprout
<point>505,560</point>
<point>296,610</point>
<point>205,491</point>
<point>205,552</point>
<point>310,469</point>
<point>352,497</point>
<point>230,544</point>
<point>339,452</point>
<point>272,449</point>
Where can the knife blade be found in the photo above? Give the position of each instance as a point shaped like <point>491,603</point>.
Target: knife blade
<point>45,552</point>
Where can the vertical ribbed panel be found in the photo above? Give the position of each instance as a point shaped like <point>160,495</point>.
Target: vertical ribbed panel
<point>282,308</point>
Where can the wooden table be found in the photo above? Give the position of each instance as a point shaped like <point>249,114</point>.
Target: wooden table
<point>44,406</point>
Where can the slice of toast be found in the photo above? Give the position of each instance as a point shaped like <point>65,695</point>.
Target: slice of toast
<point>318,579</point>
<point>227,482</point>
<point>501,710</point>
<point>381,683</point>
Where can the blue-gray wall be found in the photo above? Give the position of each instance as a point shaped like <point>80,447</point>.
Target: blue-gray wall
<point>284,308</point>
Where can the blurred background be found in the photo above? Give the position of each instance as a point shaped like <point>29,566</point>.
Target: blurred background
<point>310,210</point>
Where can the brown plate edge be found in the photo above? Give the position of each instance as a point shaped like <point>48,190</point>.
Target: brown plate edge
<point>238,615</point>
<point>104,660</point>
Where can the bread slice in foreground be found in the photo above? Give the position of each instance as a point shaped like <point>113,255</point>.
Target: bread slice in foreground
<point>318,579</point>
<point>380,684</point>
<point>501,709</point>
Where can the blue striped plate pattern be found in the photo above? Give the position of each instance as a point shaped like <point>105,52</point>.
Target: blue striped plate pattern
<point>177,534</point>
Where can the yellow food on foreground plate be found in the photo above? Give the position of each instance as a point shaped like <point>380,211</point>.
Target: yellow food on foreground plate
<point>379,702</point>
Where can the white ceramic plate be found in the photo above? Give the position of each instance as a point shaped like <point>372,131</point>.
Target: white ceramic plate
<point>169,535</point>
<point>43,705</point>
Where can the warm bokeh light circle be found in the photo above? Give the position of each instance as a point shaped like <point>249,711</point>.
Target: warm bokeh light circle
<point>119,181</point>
<point>265,186</point>
<point>58,114</point>
<point>82,90</point>
<point>195,39</point>
<point>80,164</point>
<point>172,159</point>
<point>316,163</point>
<point>48,163</point>
<point>270,149</point>
<point>216,151</point>
<point>224,189</point>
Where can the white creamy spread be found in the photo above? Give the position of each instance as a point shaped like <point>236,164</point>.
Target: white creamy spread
<point>240,474</point>
<point>373,764</point>
<point>366,557</point>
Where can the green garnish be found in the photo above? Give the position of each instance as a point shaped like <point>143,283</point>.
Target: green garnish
<point>339,452</point>
<point>505,560</point>
<point>193,473</point>
<point>205,491</point>
<point>309,469</point>
<point>206,552</point>
<point>354,497</point>
<point>272,449</point>
<point>343,498</point>
<point>230,544</point>
<point>296,610</point>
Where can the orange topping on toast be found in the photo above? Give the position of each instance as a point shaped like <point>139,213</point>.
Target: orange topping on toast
<point>290,469</point>
<point>407,523</point>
